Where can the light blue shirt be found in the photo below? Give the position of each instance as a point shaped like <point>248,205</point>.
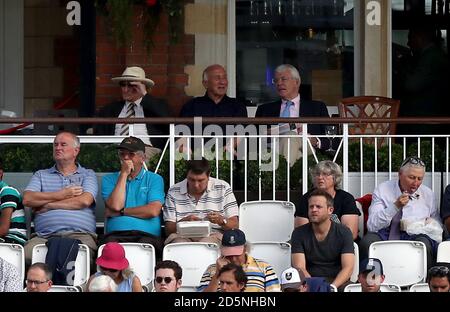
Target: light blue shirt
<point>142,190</point>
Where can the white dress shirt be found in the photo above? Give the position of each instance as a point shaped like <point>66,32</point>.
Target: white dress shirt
<point>139,130</point>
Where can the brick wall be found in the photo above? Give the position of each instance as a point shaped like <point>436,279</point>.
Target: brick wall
<point>164,64</point>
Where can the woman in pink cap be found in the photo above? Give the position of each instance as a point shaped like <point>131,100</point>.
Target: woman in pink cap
<point>113,263</point>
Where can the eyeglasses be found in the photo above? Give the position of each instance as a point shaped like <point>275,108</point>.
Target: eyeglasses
<point>30,282</point>
<point>109,270</point>
<point>123,153</point>
<point>413,160</point>
<point>323,174</point>
<point>439,270</point>
<point>124,84</point>
<point>282,79</point>
<point>166,279</point>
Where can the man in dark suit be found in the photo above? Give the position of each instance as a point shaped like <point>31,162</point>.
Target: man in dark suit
<point>287,82</point>
<point>135,103</point>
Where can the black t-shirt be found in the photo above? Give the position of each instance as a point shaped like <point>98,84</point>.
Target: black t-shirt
<point>344,204</point>
<point>323,259</point>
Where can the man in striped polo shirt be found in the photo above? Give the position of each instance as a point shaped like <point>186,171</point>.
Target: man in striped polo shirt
<point>63,198</point>
<point>260,275</point>
<point>200,197</point>
<point>13,228</point>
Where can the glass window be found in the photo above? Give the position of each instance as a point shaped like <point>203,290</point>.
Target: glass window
<point>316,36</point>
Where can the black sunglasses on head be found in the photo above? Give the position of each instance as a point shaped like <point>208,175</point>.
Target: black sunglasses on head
<point>413,160</point>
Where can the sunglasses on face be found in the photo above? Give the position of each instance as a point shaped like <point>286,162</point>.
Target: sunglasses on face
<point>414,161</point>
<point>166,279</point>
<point>108,270</point>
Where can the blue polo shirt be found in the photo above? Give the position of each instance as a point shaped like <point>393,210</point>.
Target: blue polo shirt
<point>142,190</point>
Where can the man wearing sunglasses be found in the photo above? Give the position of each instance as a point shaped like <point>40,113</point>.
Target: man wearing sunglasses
<point>438,278</point>
<point>168,276</point>
<point>399,202</point>
<point>136,103</point>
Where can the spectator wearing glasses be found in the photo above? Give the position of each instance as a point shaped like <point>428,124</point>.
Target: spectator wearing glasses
<point>438,278</point>
<point>9,277</point>
<point>133,199</point>
<point>113,263</point>
<point>168,276</point>
<point>291,104</point>
<point>398,203</point>
<point>39,278</point>
<point>232,278</point>
<point>136,103</point>
<point>327,175</point>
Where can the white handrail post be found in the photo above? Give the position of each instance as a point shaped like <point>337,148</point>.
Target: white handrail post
<point>172,154</point>
<point>345,156</point>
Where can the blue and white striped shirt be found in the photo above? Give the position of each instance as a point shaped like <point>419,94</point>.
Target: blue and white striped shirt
<point>59,220</point>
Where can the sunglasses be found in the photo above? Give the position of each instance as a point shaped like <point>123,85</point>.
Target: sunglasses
<point>30,282</point>
<point>127,84</point>
<point>413,160</point>
<point>108,270</point>
<point>166,279</point>
<point>439,270</point>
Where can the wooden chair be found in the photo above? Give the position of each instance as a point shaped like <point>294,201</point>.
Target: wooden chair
<point>370,107</point>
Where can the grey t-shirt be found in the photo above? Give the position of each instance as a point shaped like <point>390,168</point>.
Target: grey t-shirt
<point>323,259</point>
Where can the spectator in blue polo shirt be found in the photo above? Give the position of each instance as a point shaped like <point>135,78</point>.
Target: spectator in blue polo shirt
<point>133,199</point>
<point>63,197</point>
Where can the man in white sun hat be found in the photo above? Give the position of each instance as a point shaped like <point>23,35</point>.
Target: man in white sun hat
<point>136,103</point>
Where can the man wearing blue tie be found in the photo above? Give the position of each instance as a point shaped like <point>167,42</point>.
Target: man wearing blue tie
<point>287,83</point>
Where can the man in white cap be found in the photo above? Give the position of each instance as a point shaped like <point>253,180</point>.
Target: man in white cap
<point>291,281</point>
<point>136,103</point>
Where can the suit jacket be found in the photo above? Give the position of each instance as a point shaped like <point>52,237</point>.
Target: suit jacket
<point>307,109</point>
<point>152,107</point>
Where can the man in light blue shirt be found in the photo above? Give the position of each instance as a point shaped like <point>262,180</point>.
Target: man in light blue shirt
<point>63,198</point>
<point>133,199</point>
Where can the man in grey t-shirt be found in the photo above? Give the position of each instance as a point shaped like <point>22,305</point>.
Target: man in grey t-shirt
<point>322,248</point>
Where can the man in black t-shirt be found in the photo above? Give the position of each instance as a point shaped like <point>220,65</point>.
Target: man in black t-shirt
<point>322,248</point>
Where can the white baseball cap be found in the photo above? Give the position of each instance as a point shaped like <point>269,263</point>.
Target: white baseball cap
<point>290,278</point>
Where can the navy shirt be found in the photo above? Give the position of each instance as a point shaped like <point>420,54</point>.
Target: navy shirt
<point>203,106</point>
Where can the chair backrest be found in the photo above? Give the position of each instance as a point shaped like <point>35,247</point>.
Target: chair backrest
<point>404,262</point>
<point>194,258</point>
<point>333,288</point>
<point>14,254</point>
<point>355,272</point>
<point>360,219</point>
<point>370,107</point>
<point>383,288</point>
<point>267,220</point>
<point>141,258</point>
<point>60,288</point>
<point>187,289</point>
<point>82,262</point>
<point>420,287</point>
<point>443,252</point>
<point>277,254</point>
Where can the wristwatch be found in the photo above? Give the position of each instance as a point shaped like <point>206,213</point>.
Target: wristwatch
<point>122,211</point>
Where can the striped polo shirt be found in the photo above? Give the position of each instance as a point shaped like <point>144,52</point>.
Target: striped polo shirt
<point>218,197</point>
<point>10,198</point>
<point>261,276</point>
<point>61,220</point>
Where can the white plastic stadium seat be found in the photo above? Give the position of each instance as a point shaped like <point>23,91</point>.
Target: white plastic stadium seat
<point>82,262</point>
<point>56,288</point>
<point>187,289</point>
<point>14,254</point>
<point>141,258</point>
<point>354,277</point>
<point>267,220</point>
<point>383,287</point>
<point>193,257</point>
<point>443,252</point>
<point>333,288</point>
<point>277,254</point>
<point>420,287</point>
<point>404,262</point>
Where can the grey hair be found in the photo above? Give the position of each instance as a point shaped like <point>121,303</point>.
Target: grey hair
<point>328,167</point>
<point>102,283</point>
<point>207,69</point>
<point>410,166</point>
<point>294,72</point>
<point>75,138</point>
<point>44,267</point>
